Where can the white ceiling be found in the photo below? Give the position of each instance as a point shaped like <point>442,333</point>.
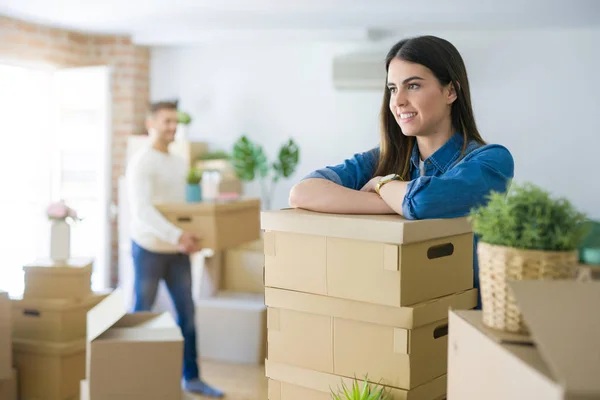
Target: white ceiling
<point>175,22</point>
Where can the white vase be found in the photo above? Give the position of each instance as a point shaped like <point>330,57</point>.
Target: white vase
<point>60,241</point>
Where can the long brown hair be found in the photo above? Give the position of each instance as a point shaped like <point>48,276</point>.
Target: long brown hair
<point>446,63</point>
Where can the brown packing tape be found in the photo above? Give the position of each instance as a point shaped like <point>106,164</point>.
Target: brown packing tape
<point>269,241</point>
<point>401,338</point>
<point>391,257</point>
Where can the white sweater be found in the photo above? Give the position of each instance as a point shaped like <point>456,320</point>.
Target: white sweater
<point>154,177</point>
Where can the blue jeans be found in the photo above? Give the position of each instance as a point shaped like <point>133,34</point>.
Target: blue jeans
<point>176,270</point>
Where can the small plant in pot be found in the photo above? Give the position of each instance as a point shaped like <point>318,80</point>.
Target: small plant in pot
<point>193,191</point>
<point>589,251</point>
<point>356,392</point>
<point>523,234</point>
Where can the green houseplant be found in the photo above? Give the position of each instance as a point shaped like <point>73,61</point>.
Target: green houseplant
<point>183,118</point>
<point>524,233</point>
<point>355,392</point>
<point>193,192</point>
<point>250,162</point>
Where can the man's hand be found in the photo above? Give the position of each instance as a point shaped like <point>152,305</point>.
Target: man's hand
<point>189,243</point>
<point>370,186</point>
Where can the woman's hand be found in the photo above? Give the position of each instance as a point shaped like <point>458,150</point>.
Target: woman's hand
<point>371,185</point>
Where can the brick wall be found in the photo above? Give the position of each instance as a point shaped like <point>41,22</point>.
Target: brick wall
<point>32,43</point>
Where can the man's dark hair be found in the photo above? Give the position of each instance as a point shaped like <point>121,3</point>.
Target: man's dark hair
<point>161,105</point>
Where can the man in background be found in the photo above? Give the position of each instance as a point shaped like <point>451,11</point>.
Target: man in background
<point>160,249</point>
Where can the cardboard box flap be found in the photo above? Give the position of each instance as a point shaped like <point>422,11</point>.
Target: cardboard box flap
<point>105,314</point>
<point>520,346</point>
<point>209,207</point>
<point>146,320</point>
<point>72,266</point>
<point>377,228</point>
<point>140,334</point>
<point>407,317</point>
<point>565,324</point>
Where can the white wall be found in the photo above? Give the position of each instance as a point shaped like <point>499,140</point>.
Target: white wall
<point>535,92</point>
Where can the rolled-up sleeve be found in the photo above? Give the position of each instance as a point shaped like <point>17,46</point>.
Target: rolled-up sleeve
<point>461,188</point>
<point>353,173</point>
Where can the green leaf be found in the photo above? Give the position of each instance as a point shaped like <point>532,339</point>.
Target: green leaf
<point>355,392</point>
<point>287,160</point>
<point>244,159</point>
<point>528,217</point>
<point>194,176</point>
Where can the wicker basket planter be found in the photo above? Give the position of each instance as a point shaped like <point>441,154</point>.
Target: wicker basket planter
<point>499,264</point>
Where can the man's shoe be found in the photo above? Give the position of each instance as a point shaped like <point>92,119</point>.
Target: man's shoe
<point>199,387</point>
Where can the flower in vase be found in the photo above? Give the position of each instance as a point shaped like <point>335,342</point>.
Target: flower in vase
<point>61,211</point>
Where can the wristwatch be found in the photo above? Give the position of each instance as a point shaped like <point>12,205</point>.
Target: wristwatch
<point>386,179</point>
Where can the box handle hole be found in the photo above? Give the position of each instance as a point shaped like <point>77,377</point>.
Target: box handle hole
<point>440,250</point>
<point>31,313</point>
<point>184,219</point>
<point>440,331</point>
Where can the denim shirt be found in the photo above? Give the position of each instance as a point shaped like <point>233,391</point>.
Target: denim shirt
<point>451,186</point>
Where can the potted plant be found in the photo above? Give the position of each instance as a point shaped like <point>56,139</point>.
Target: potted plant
<point>193,191</point>
<point>589,251</point>
<point>250,162</point>
<point>60,216</point>
<point>183,122</point>
<point>355,392</point>
<point>523,234</point>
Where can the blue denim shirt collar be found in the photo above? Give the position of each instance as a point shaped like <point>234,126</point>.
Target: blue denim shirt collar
<point>444,157</point>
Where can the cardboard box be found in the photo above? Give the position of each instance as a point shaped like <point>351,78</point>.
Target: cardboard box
<point>220,224</point>
<point>8,387</point>
<point>132,356</point>
<point>189,151</point>
<point>49,371</point>
<point>561,359</point>
<point>44,279</point>
<point>231,185</point>
<point>52,320</point>
<point>243,268</point>
<point>293,383</point>
<point>399,347</point>
<point>380,259</point>
<point>6,363</point>
<point>232,327</point>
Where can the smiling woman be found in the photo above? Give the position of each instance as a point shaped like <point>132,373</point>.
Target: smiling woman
<point>431,161</point>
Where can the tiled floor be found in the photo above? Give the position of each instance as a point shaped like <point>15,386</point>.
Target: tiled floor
<point>240,382</point>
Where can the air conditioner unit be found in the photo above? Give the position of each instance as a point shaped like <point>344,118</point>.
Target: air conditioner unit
<point>360,71</point>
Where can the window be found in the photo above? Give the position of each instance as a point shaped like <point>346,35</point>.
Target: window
<point>56,135</point>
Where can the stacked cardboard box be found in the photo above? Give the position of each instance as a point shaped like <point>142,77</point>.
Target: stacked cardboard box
<point>559,360</point>
<point>243,268</point>
<point>8,375</point>
<point>232,321</point>
<point>362,296</point>
<point>135,356</point>
<point>49,328</point>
